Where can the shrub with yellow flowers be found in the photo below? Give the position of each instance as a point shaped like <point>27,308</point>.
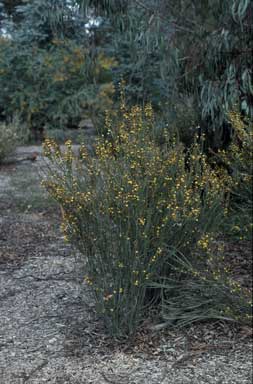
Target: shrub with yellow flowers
<point>209,289</point>
<point>237,160</point>
<point>129,206</point>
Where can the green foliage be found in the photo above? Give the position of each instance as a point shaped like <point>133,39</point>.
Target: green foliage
<point>53,87</point>
<point>145,62</point>
<point>203,291</point>
<point>10,5</point>
<point>130,207</point>
<point>44,20</point>
<point>210,289</point>
<point>238,160</point>
<point>49,75</point>
<point>8,10</point>
<point>9,139</point>
<point>168,52</point>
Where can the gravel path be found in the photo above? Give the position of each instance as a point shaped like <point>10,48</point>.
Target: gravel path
<point>49,332</point>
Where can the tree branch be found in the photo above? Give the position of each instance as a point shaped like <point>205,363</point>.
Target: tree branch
<point>157,15</point>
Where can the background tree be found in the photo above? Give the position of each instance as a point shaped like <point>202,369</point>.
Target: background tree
<point>183,53</point>
<point>10,8</point>
<point>191,59</point>
<point>50,77</point>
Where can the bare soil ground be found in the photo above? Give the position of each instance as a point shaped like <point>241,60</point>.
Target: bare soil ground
<point>49,332</point>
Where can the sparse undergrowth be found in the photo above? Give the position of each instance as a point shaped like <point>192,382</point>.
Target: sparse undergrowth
<point>8,139</point>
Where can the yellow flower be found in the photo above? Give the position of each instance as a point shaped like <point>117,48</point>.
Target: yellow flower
<point>120,265</point>
<point>141,221</point>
